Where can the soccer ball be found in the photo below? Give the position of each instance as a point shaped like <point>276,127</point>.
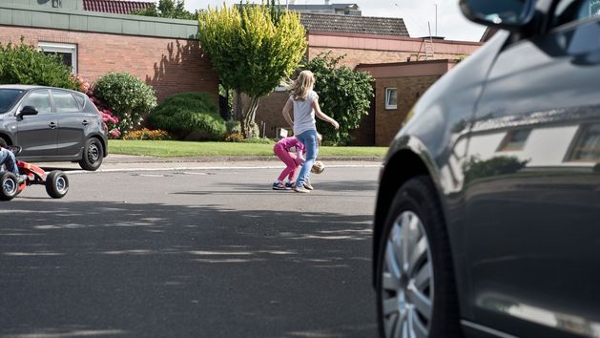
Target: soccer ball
<point>317,167</point>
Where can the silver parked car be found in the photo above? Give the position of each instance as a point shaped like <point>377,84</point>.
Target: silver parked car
<point>487,222</point>
<point>52,124</point>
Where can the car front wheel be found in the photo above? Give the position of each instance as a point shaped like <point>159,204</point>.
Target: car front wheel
<point>93,154</point>
<point>415,288</point>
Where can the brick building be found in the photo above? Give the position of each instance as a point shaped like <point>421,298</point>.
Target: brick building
<point>373,44</point>
<point>165,53</point>
<point>398,86</point>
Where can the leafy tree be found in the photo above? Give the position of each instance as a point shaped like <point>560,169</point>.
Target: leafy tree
<point>344,95</point>
<point>130,98</point>
<point>168,9</point>
<point>252,48</point>
<point>24,64</point>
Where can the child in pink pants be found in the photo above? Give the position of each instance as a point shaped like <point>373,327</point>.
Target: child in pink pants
<point>284,149</point>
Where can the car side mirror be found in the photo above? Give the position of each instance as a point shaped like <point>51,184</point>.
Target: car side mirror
<point>28,110</point>
<point>506,14</point>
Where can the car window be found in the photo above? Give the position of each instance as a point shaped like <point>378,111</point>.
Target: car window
<point>40,100</point>
<point>8,97</point>
<point>80,99</point>
<point>573,10</point>
<point>65,102</point>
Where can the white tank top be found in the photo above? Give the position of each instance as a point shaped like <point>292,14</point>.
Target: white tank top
<point>304,114</point>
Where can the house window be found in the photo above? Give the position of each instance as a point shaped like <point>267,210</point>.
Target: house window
<point>586,147</point>
<point>514,140</point>
<point>66,51</point>
<point>391,98</point>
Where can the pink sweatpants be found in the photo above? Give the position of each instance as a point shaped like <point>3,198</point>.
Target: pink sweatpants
<point>289,160</point>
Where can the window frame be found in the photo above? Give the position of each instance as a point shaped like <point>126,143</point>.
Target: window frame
<point>61,48</point>
<point>388,97</point>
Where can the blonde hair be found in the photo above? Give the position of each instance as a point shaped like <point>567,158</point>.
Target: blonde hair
<point>302,85</point>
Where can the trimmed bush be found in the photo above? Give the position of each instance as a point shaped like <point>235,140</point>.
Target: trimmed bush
<point>189,116</point>
<point>23,64</point>
<point>129,98</point>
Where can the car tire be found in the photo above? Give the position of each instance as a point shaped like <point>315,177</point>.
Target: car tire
<point>9,186</point>
<point>416,293</point>
<point>93,153</point>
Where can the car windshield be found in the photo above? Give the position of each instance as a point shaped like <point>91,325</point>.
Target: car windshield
<point>8,97</point>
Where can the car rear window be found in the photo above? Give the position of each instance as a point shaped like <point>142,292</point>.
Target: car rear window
<point>8,97</point>
<point>80,99</point>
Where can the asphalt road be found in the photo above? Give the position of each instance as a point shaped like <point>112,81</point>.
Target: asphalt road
<point>190,250</point>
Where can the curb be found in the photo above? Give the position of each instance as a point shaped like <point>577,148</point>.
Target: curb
<point>118,158</point>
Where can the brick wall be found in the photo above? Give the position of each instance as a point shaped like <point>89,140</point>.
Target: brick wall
<point>364,135</point>
<point>269,113</point>
<point>168,65</point>
<point>353,57</point>
<point>361,49</point>
<point>409,89</point>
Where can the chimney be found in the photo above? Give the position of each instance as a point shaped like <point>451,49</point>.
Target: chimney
<point>326,2</point>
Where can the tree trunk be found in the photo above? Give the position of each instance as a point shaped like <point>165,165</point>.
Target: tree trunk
<point>237,106</point>
<point>249,117</point>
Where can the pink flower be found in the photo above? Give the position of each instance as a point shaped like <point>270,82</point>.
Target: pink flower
<point>115,133</point>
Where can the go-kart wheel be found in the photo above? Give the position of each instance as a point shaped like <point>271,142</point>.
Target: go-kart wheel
<point>9,186</point>
<point>57,184</point>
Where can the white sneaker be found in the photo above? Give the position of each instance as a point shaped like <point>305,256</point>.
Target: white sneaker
<point>21,179</point>
<point>302,190</point>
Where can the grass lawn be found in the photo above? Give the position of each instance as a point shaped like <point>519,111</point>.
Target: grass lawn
<point>190,149</point>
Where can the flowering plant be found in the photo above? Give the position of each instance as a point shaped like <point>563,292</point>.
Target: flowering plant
<point>110,120</point>
<point>147,134</point>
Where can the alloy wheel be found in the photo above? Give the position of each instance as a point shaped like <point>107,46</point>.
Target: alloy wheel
<point>407,279</point>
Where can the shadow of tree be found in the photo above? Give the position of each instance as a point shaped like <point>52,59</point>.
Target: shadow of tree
<point>183,69</point>
<point>331,189</point>
<point>160,270</point>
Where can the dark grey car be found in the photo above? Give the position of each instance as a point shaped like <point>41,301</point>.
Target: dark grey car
<point>52,124</point>
<point>487,221</point>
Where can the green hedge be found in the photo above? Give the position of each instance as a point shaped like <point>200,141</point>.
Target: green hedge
<point>189,115</point>
<point>24,64</point>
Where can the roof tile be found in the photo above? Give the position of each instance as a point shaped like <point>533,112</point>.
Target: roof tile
<point>115,6</point>
<point>353,24</point>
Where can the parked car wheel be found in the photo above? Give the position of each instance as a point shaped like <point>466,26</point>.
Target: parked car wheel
<point>9,187</point>
<point>415,289</point>
<point>57,184</point>
<point>93,154</point>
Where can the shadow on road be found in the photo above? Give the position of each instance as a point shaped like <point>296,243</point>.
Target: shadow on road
<point>158,270</point>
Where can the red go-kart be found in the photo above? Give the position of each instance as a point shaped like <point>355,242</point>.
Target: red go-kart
<point>56,181</point>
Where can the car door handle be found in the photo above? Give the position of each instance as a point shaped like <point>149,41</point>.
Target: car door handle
<point>52,125</point>
<point>85,122</point>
